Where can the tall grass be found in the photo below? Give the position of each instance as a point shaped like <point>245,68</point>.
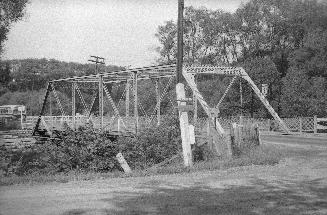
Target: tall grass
<point>262,155</point>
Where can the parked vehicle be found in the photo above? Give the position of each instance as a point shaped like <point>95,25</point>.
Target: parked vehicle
<point>12,116</point>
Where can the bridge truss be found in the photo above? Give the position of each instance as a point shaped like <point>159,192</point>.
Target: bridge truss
<point>80,99</point>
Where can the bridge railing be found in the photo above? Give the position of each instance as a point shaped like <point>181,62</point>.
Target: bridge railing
<point>127,124</point>
<point>296,124</point>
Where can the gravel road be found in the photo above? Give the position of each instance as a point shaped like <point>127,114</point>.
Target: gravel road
<point>298,185</point>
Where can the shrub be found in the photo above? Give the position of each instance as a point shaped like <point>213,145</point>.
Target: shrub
<point>87,149</point>
<point>152,145</point>
<point>84,149</point>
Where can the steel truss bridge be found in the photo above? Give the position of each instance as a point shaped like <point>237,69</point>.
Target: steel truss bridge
<point>89,99</point>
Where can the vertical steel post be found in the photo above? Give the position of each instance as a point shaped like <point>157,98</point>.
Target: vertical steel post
<point>158,100</point>
<point>179,68</point>
<point>195,104</point>
<point>36,128</point>
<point>50,105</point>
<point>101,101</point>
<point>241,97</point>
<point>127,99</point>
<point>74,105</point>
<point>136,115</point>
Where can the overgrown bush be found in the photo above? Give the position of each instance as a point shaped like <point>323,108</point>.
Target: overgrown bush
<point>19,162</point>
<point>152,145</point>
<point>87,149</point>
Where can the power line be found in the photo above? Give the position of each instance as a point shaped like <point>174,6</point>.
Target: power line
<point>97,60</point>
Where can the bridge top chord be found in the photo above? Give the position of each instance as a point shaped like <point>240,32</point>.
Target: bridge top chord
<point>153,72</point>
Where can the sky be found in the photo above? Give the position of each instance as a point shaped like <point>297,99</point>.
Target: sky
<point>121,31</point>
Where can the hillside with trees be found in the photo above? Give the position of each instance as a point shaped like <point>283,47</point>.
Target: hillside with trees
<point>24,81</point>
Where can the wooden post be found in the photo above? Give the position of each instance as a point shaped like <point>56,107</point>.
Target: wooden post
<point>233,138</point>
<point>210,141</point>
<point>300,119</point>
<point>127,99</point>
<point>74,104</point>
<point>184,126</point>
<point>241,120</point>
<point>257,133</point>
<point>123,163</point>
<point>118,124</point>
<point>101,101</point>
<point>315,124</point>
<point>195,105</point>
<point>158,100</point>
<point>240,135</point>
<point>180,21</point>
<point>136,114</point>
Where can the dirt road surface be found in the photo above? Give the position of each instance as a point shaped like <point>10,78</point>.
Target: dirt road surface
<point>298,185</point>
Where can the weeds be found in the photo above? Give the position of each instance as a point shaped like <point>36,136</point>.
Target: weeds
<point>86,154</point>
<point>262,155</point>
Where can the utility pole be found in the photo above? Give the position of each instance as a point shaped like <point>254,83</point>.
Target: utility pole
<point>180,92</point>
<point>97,60</point>
<point>179,68</point>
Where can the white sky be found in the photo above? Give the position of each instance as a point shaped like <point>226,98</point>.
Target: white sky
<point>122,31</point>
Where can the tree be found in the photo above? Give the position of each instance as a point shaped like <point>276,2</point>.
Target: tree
<point>305,85</point>
<point>10,11</point>
<point>4,74</point>
<point>4,77</point>
<point>167,36</point>
<point>262,70</point>
<point>290,33</point>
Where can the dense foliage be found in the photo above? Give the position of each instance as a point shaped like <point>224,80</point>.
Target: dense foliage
<point>11,11</point>
<point>89,150</point>
<point>281,43</point>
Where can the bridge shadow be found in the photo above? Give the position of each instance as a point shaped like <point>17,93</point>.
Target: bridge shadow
<point>280,197</point>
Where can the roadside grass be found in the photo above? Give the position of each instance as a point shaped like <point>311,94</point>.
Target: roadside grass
<point>262,155</point>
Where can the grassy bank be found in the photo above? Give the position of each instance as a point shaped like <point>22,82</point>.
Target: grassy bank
<point>262,155</point>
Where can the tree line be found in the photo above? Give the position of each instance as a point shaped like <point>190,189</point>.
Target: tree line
<point>282,43</point>
<point>24,81</point>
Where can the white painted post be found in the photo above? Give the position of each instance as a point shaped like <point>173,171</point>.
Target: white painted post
<point>118,124</point>
<point>209,136</point>
<point>241,120</point>
<point>315,124</point>
<point>123,163</point>
<point>192,134</point>
<point>184,126</point>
